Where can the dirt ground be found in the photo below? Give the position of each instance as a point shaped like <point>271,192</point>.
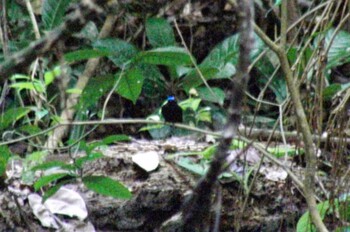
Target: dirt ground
<point>157,195</point>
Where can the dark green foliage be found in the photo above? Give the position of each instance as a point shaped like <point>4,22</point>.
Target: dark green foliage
<point>106,186</point>
<point>71,172</point>
<point>53,12</point>
<point>159,33</point>
<point>122,51</point>
<point>12,115</point>
<point>5,155</point>
<point>159,67</point>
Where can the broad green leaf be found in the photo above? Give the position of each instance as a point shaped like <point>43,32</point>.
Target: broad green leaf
<point>94,90</point>
<point>204,115</point>
<point>106,186</point>
<point>34,85</point>
<point>90,157</point>
<point>330,91</point>
<point>225,52</point>
<point>12,115</point>
<point>193,79</point>
<point>197,168</point>
<point>45,180</point>
<point>159,32</point>
<point>53,12</point>
<point>51,191</point>
<point>5,154</point>
<point>52,164</point>
<point>192,103</point>
<point>30,129</point>
<point>50,75</point>
<point>85,54</point>
<point>122,51</point>
<point>209,152</point>
<point>36,157</point>
<point>206,95</point>
<point>115,138</point>
<point>130,84</point>
<point>339,52</point>
<point>304,224</point>
<point>154,85</point>
<point>170,56</point>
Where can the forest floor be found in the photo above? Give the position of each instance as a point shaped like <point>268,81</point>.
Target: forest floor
<point>273,203</point>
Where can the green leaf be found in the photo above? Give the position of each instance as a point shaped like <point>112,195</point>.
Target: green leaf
<point>282,150</point>
<point>74,91</point>
<point>51,191</point>
<point>50,75</point>
<point>154,85</point>
<point>130,84</point>
<point>225,52</point>
<point>206,95</point>
<point>90,31</point>
<point>85,54</point>
<point>16,77</point>
<point>204,115</point>
<point>122,51</point>
<point>238,144</point>
<point>30,129</point>
<point>90,157</point>
<point>34,85</point>
<point>12,115</point>
<point>95,89</point>
<point>40,113</point>
<point>339,51</point>
<point>304,224</point>
<point>53,12</point>
<point>35,158</point>
<point>53,164</point>
<point>5,154</point>
<point>192,103</point>
<point>193,79</point>
<point>45,180</point>
<point>330,91</point>
<point>170,56</point>
<point>197,168</point>
<point>115,138</point>
<point>159,32</point>
<point>209,152</point>
<point>106,186</point>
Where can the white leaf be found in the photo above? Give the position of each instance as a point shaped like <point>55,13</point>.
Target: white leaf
<point>41,212</point>
<point>148,161</point>
<point>274,173</point>
<point>67,202</point>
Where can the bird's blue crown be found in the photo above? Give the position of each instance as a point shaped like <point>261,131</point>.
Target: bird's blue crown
<point>171,98</point>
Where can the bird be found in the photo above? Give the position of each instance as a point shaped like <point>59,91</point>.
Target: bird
<point>171,111</point>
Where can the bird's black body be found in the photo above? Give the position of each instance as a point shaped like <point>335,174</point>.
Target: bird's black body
<point>171,111</point>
